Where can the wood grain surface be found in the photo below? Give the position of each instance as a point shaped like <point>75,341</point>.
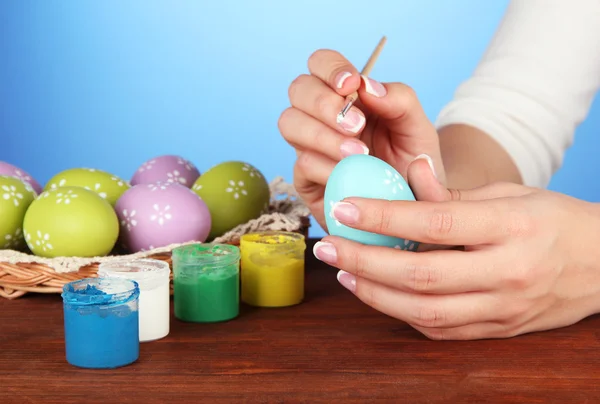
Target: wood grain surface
<point>330,348</point>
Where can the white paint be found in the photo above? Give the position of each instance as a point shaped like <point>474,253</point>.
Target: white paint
<point>154,312</point>
<point>152,277</point>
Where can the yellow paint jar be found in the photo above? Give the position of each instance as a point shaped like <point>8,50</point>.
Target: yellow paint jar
<point>272,268</point>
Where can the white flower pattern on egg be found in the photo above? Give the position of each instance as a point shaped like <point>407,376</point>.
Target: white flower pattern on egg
<point>66,197</point>
<point>96,189</point>
<point>161,215</point>
<point>253,172</point>
<point>118,181</point>
<point>331,204</point>
<point>408,246</point>
<point>147,166</point>
<point>196,187</point>
<point>188,166</point>
<point>23,177</point>
<point>61,183</point>
<point>175,177</point>
<point>42,241</point>
<point>12,240</point>
<point>393,180</point>
<point>9,192</point>
<point>128,220</point>
<point>236,189</point>
<point>156,186</point>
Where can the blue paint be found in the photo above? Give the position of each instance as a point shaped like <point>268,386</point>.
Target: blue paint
<point>101,322</point>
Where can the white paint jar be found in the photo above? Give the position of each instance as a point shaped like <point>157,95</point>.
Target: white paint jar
<point>152,277</point>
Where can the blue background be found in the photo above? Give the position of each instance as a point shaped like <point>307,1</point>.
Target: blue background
<point>110,84</point>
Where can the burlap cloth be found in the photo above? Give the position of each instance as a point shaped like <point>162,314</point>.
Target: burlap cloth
<point>285,214</point>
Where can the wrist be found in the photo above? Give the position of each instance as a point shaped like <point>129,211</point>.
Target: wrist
<point>473,159</point>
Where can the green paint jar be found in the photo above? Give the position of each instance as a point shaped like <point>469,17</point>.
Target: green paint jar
<point>206,282</point>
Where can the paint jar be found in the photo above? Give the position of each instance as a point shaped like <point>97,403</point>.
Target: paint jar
<point>272,268</point>
<point>206,282</point>
<point>101,322</point>
<point>153,279</point>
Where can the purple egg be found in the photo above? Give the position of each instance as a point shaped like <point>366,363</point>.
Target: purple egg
<point>156,215</point>
<point>167,168</point>
<point>12,171</point>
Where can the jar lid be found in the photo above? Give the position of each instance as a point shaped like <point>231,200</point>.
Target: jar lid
<point>206,254</point>
<point>142,270</point>
<point>99,291</point>
<point>275,241</point>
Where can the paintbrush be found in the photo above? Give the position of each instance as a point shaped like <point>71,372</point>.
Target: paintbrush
<point>351,99</point>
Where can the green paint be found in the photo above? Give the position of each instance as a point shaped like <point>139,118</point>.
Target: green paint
<point>206,283</point>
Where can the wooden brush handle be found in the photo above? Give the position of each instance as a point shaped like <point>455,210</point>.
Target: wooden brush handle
<point>369,66</point>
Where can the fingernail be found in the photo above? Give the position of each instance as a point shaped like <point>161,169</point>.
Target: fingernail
<point>341,78</point>
<point>325,252</point>
<point>353,121</point>
<point>349,148</point>
<point>347,280</point>
<point>345,212</point>
<point>374,87</point>
<point>429,161</point>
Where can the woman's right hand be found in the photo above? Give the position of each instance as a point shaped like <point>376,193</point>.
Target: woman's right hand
<point>388,122</point>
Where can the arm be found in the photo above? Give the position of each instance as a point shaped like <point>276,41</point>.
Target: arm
<point>515,117</point>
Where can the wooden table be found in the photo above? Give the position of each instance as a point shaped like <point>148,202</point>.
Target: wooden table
<point>331,348</point>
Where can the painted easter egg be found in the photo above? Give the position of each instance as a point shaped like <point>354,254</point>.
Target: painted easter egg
<point>235,192</point>
<point>15,198</point>
<point>156,215</point>
<point>365,176</point>
<point>70,222</point>
<point>106,185</point>
<point>12,171</point>
<point>166,169</point>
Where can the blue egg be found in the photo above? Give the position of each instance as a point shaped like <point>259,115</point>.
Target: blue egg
<point>365,176</point>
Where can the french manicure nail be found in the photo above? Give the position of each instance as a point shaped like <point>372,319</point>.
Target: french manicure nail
<point>353,121</point>
<point>429,161</point>
<point>341,78</point>
<point>349,148</point>
<point>347,280</point>
<point>374,87</point>
<point>345,212</point>
<point>325,252</point>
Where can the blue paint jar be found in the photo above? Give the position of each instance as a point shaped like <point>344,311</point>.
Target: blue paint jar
<point>101,322</point>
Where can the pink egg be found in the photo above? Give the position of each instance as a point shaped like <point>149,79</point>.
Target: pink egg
<point>12,171</point>
<point>167,168</point>
<point>156,215</point>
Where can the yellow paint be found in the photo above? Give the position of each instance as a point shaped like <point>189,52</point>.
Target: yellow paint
<point>272,269</point>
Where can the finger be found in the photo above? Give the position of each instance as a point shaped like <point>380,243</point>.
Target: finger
<point>334,70</point>
<point>430,311</point>
<point>432,272</point>
<point>398,105</point>
<point>423,182</point>
<point>315,98</point>
<point>399,109</point>
<point>461,222</point>
<point>312,169</point>
<point>484,330</point>
<point>427,187</point>
<point>304,132</point>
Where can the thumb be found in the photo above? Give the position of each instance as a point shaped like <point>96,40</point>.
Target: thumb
<point>426,187</point>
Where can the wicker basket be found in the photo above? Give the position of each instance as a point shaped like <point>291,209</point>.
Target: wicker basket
<point>19,278</point>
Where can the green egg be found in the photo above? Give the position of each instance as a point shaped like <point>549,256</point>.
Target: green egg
<point>70,222</point>
<point>235,192</point>
<point>107,185</point>
<point>15,198</point>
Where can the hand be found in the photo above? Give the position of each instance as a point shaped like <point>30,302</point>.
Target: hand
<point>388,122</point>
<point>531,261</point>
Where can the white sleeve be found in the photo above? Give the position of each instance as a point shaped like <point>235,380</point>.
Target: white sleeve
<point>535,83</point>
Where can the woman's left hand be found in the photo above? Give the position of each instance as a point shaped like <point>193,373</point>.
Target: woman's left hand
<point>531,261</point>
